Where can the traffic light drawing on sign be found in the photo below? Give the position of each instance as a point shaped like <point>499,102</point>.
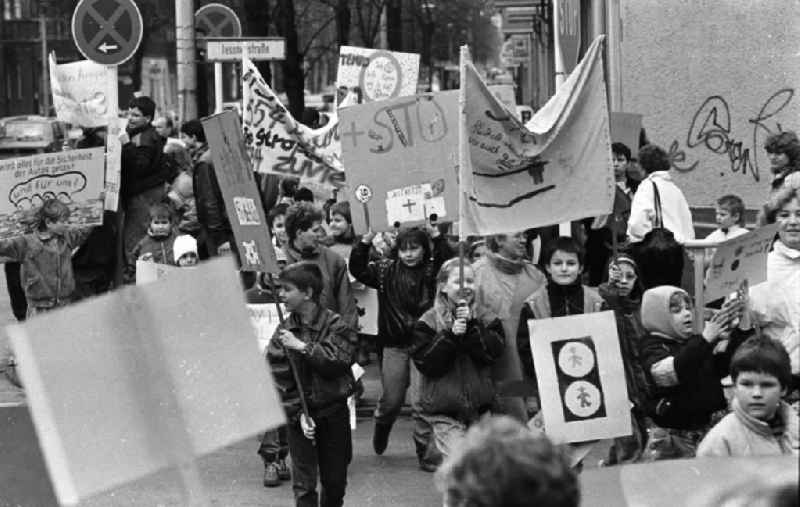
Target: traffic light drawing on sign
<point>578,378</point>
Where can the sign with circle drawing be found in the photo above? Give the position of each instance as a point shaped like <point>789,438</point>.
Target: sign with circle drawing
<point>363,193</point>
<point>107,31</point>
<point>217,20</point>
<point>379,74</point>
<point>580,356</point>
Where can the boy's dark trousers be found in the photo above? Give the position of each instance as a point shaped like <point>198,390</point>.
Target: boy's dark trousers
<point>274,445</point>
<point>330,452</point>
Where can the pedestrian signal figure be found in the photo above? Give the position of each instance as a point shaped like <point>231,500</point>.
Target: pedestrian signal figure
<point>46,257</point>
<point>455,344</point>
<point>562,295</point>
<point>501,463</point>
<point>321,347</point>
<point>761,424</point>
<point>684,369</point>
<point>405,282</point>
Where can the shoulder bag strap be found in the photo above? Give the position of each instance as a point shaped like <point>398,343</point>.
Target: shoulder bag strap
<point>659,222</point>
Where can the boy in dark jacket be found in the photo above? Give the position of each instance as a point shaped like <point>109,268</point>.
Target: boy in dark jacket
<point>683,368</point>
<point>322,347</point>
<point>405,283</point>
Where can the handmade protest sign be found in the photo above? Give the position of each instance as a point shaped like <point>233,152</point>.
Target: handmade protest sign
<point>404,151</point>
<point>279,144</point>
<point>238,186</point>
<point>138,371</point>
<point>367,306</point>
<point>379,74</point>
<point>554,169</point>
<point>625,128</point>
<point>113,162</point>
<point>739,259</point>
<point>265,319</point>
<point>580,355</point>
<point>148,271</point>
<point>73,177</point>
<point>505,94</point>
<point>84,93</point>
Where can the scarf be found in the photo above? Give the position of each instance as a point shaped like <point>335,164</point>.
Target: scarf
<point>506,265</point>
<point>565,299</point>
<point>775,427</point>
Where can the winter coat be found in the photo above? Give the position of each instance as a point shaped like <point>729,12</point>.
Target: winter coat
<point>502,287</point>
<point>739,434</point>
<point>456,376</point>
<point>182,196</point>
<point>630,331</point>
<point>208,199</point>
<point>675,210</point>
<point>159,250</point>
<point>685,390</point>
<point>47,275</point>
<point>404,293</point>
<point>775,304</point>
<point>336,294</point>
<point>324,369</point>
<point>537,306</point>
<point>142,167</point>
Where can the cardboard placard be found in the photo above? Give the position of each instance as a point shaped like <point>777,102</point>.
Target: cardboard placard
<point>367,306</point>
<point>74,177</point>
<point>138,370</point>
<point>265,320</point>
<point>84,93</point>
<point>379,74</point>
<point>736,260</point>
<point>404,151</point>
<point>239,189</point>
<point>581,378</point>
<point>148,271</point>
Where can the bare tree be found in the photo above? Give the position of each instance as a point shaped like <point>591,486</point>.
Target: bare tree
<point>368,20</point>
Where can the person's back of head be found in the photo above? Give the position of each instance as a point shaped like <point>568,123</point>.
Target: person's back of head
<point>652,158</point>
<point>501,464</point>
<point>289,186</point>
<point>304,194</point>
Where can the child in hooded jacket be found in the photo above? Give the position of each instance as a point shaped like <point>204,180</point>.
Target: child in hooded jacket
<point>405,282</point>
<point>455,343</point>
<point>156,246</point>
<point>683,369</point>
<point>622,294</point>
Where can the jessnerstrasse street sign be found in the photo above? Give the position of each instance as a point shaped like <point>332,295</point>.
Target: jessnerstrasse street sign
<point>107,31</point>
<point>231,49</point>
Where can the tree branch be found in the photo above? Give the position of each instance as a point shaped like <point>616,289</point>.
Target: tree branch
<point>316,33</point>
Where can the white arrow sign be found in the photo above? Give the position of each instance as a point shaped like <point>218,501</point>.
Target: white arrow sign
<point>105,47</point>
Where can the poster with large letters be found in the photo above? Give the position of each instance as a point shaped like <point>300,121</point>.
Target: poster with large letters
<point>401,157</point>
<point>84,92</point>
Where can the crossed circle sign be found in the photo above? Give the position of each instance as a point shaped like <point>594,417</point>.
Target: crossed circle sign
<point>382,78</point>
<point>217,20</point>
<point>107,31</point>
<point>363,193</point>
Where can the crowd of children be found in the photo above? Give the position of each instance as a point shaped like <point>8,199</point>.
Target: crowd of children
<point>455,334</point>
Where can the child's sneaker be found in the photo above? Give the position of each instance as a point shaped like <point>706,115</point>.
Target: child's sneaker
<point>283,470</point>
<point>271,476</point>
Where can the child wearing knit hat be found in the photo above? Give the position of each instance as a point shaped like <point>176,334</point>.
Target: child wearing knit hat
<point>683,369</point>
<point>185,250</point>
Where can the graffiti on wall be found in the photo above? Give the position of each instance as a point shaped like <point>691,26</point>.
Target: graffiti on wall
<point>711,129</point>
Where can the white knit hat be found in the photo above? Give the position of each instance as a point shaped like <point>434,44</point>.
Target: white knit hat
<point>183,244</point>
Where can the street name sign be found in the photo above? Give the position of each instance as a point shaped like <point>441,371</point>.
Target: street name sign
<point>217,20</point>
<point>107,31</point>
<point>231,49</point>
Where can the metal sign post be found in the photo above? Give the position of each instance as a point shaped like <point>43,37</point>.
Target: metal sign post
<point>217,20</point>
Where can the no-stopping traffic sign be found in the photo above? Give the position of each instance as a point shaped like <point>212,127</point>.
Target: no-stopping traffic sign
<point>107,31</point>
<point>217,20</point>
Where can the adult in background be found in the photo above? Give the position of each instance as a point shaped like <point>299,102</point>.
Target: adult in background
<point>504,278</point>
<point>783,151</point>
<point>216,235</point>
<point>144,178</point>
<point>776,303</point>
<point>164,127</point>
<point>660,222</point>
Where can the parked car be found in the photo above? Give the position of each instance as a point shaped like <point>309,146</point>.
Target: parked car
<point>28,135</point>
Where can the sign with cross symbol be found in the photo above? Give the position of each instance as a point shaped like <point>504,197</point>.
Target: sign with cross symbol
<point>580,376</point>
<point>107,31</point>
<point>217,20</point>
